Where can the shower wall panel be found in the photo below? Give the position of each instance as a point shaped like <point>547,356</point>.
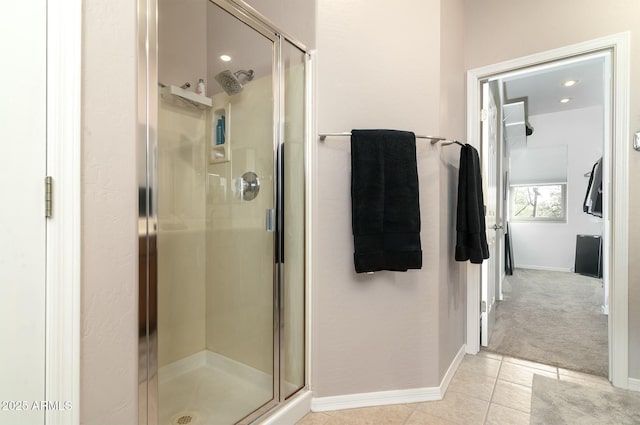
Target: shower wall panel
<point>181,239</point>
<point>239,305</point>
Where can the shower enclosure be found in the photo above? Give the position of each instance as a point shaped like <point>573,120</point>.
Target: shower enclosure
<point>222,213</point>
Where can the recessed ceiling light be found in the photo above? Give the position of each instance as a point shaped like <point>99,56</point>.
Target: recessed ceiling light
<point>225,58</point>
<point>569,83</point>
<point>565,100</point>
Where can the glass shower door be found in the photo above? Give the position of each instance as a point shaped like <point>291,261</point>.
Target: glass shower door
<point>240,209</point>
<point>216,215</point>
<point>293,255</point>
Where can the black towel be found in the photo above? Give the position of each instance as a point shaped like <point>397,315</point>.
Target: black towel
<point>585,204</point>
<point>384,201</point>
<point>471,241</point>
<point>596,191</point>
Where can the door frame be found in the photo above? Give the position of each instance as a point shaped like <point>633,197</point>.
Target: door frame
<point>618,202</point>
<point>63,229</point>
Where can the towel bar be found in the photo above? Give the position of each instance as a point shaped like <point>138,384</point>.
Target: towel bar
<point>447,143</point>
<point>434,139</point>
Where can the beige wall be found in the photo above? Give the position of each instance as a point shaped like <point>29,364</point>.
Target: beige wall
<point>379,67</point>
<point>296,17</point>
<point>109,343</point>
<point>452,281</point>
<point>500,30</point>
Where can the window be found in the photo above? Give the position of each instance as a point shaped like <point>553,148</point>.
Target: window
<point>541,202</point>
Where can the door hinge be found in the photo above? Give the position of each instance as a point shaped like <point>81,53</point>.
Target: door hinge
<point>48,196</point>
<point>483,307</point>
<point>484,114</point>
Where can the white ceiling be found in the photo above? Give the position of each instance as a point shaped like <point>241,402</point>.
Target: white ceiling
<point>543,87</point>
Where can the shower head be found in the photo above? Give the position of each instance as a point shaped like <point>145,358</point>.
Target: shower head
<point>230,82</point>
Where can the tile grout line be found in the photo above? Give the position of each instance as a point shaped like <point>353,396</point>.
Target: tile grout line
<point>493,389</point>
<point>327,418</point>
<point>415,408</point>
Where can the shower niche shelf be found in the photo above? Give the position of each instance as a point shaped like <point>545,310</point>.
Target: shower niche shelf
<point>220,139</point>
<point>185,96</point>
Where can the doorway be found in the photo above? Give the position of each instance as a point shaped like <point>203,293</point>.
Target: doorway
<point>614,158</point>
<point>551,303</point>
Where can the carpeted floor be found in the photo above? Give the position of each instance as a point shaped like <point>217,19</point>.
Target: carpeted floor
<point>553,318</point>
<point>556,402</point>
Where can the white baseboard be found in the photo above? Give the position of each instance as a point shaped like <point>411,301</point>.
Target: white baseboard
<point>294,410</point>
<point>634,384</point>
<point>383,398</point>
<point>549,269</point>
<point>453,367</point>
<point>380,398</point>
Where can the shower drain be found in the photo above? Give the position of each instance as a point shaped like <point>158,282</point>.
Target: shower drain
<point>185,419</point>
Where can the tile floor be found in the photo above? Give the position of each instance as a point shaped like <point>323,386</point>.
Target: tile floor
<point>487,389</point>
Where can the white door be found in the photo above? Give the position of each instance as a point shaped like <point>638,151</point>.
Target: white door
<point>490,270</point>
<point>22,222</point>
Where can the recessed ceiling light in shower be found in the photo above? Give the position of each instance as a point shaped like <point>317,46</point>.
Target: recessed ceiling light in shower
<point>570,83</point>
<point>225,58</point>
<point>565,100</point>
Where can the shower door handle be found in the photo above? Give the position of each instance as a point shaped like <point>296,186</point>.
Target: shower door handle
<point>270,220</point>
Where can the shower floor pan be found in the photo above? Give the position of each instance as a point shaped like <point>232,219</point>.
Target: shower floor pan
<point>209,389</point>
